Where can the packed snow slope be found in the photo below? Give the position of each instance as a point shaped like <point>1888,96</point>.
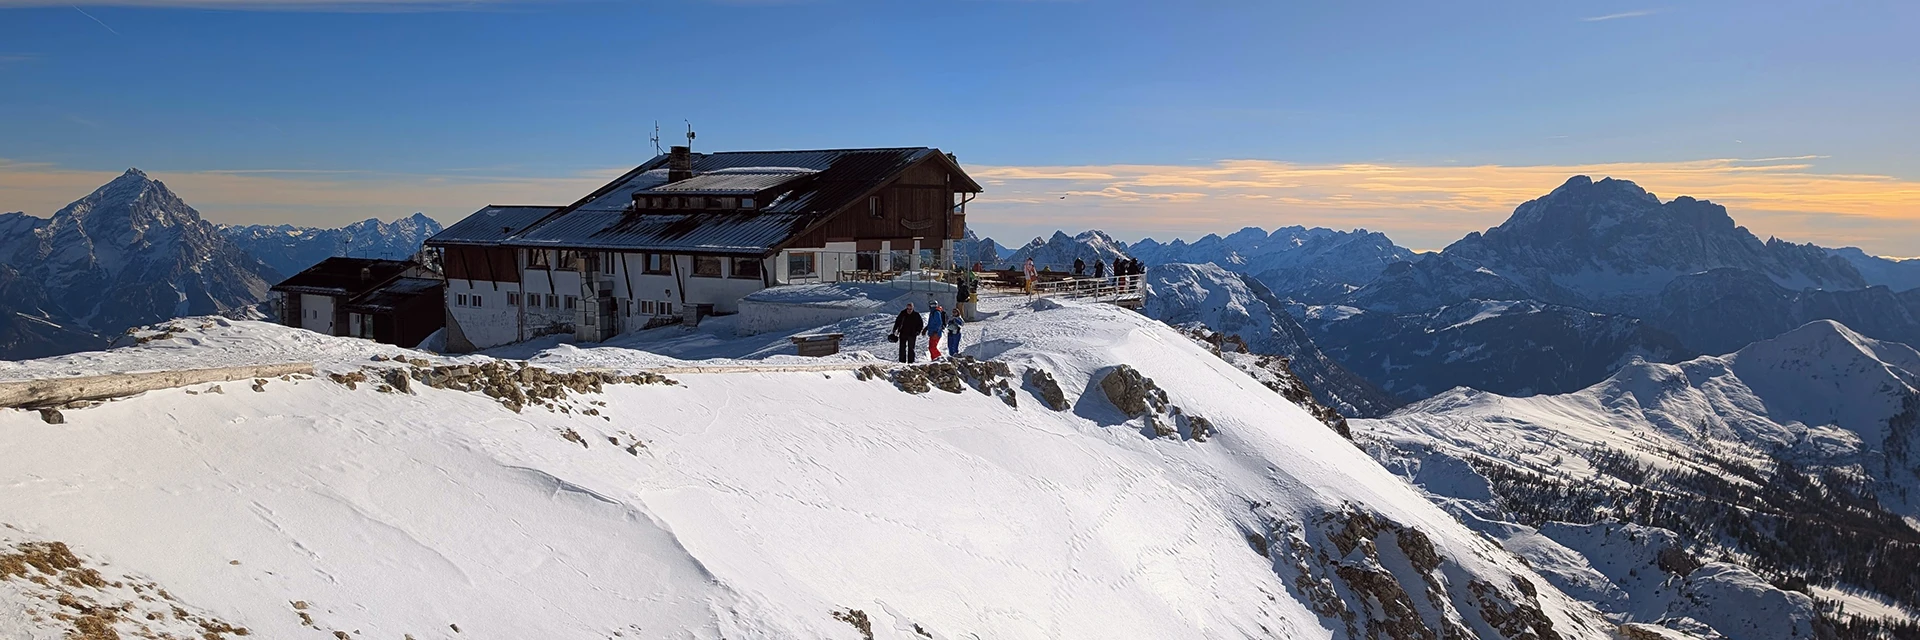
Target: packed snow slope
<point>1797,456</point>
<point>760,504</point>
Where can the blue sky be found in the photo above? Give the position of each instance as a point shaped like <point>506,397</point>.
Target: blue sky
<point>1797,115</point>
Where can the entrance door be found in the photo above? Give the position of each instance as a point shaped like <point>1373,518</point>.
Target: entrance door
<point>609,318</point>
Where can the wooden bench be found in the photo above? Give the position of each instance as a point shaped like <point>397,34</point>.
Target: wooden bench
<point>814,345</point>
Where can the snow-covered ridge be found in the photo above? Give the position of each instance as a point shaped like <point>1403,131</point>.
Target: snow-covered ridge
<point>1809,437</point>
<point>289,249</point>
<point>756,505</point>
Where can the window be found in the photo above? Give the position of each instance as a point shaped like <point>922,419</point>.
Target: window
<point>726,203</point>
<point>513,299</point>
<point>609,263</point>
<point>664,308</point>
<point>572,301</point>
<point>537,259</point>
<point>475,300</point>
<point>668,203</point>
<point>553,301</point>
<point>570,260</point>
<point>658,263</point>
<point>746,268</point>
<point>460,300</point>
<point>706,266</point>
<point>533,300</point>
<point>746,203</point>
<point>800,265</point>
<point>873,206</point>
<point>646,307</point>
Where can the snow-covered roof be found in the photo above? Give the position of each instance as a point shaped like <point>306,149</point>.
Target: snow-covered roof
<point>491,224</point>
<point>805,188</point>
<point>732,182</point>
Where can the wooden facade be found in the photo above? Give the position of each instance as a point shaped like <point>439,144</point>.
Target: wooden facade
<point>496,264</point>
<point>921,204</point>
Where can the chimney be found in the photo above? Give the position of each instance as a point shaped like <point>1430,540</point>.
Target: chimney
<point>679,163</point>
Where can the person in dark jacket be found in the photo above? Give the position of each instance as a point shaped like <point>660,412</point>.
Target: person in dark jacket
<point>1079,266</point>
<point>1099,269</point>
<point>906,329</point>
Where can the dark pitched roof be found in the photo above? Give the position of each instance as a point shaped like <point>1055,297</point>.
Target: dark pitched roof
<point>392,295</point>
<point>344,276</point>
<point>808,187</point>
<point>491,224</point>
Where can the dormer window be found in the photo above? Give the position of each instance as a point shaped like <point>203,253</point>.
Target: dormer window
<point>726,203</point>
<point>746,203</point>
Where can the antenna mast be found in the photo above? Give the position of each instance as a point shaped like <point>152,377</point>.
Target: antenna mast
<point>656,137</point>
<point>689,133</point>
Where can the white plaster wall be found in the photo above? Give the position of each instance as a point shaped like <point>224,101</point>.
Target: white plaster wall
<point>564,283</point>
<point>316,313</point>
<point>723,293</point>
<point>491,324</point>
<point>835,258</point>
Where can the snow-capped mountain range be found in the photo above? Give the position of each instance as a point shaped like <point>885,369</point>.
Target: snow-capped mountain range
<point>1519,347</point>
<point>290,249</point>
<point>128,254</point>
<point>1059,252</point>
<point>1797,456</point>
<point>1099,476</point>
<point>1594,273</point>
<point>1683,266</point>
<point>1237,305</point>
<point>133,253</point>
<point>1293,262</point>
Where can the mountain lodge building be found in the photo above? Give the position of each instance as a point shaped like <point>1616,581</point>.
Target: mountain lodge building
<point>391,301</point>
<point>689,234</point>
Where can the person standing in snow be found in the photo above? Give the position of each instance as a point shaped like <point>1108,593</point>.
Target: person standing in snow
<point>1079,266</point>
<point>1033,275</point>
<point>954,322</point>
<point>936,323</point>
<point>906,331</point>
<point>970,305</point>
<point>1099,270</point>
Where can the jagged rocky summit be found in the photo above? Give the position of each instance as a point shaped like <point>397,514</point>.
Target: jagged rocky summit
<point>290,249</point>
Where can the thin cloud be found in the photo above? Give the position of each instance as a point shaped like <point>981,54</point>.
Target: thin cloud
<point>1430,205</point>
<point>96,20</point>
<point>1417,205</point>
<point>1640,13</point>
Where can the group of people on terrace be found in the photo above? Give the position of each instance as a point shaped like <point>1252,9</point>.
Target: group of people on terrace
<point>1122,266</point>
